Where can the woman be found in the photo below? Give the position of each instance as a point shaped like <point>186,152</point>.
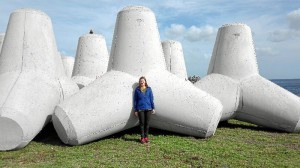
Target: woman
<point>143,107</point>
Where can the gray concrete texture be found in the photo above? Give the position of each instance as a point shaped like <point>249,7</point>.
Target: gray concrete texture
<point>136,26</point>
<point>225,89</point>
<point>32,78</point>
<point>106,105</point>
<point>2,35</point>
<point>233,78</point>
<point>91,59</point>
<point>68,63</point>
<point>234,54</point>
<point>174,58</point>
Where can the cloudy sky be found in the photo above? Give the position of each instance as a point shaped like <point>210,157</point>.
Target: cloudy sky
<point>275,27</point>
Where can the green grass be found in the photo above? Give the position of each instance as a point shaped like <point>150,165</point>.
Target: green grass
<point>235,144</point>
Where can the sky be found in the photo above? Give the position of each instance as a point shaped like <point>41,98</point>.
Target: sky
<point>275,26</point>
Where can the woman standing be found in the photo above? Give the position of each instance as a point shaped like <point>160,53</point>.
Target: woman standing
<point>143,107</point>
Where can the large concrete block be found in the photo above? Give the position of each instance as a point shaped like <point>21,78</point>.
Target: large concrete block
<point>174,58</point>
<point>136,46</point>
<point>30,70</point>
<point>91,59</point>
<point>68,63</point>
<point>106,105</point>
<point>233,53</point>
<point>259,101</point>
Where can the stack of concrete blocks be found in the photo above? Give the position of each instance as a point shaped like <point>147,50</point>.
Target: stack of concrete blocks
<point>31,77</point>
<point>68,63</point>
<point>174,58</point>
<point>91,59</point>
<point>106,105</point>
<point>2,35</point>
<point>234,79</point>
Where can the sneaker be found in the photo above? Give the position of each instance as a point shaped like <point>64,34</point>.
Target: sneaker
<point>147,140</point>
<point>143,140</point>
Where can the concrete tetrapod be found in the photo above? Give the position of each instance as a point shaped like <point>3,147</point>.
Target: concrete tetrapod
<point>2,35</point>
<point>174,58</point>
<point>260,101</point>
<point>234,53</point>
<point>68,63</point>
<point>91,59</point>
<point>31,78</point>
<point>106,105</point>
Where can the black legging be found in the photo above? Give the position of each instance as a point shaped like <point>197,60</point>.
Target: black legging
<point>144,117</point>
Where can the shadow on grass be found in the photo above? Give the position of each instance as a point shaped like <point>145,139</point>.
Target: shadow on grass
<point>134,134</point>
<point>233,124</point>
<point>49,136</point>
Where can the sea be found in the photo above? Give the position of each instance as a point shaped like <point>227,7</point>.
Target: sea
<point>292,85</point>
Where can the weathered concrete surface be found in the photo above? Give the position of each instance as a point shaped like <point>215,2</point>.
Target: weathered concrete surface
<point>67,87</point>
<point>181,107</point>
<point>91,59</point>
<point>260,101</point>
<point>174,58</point>
<point>223,88</point>
<point>95,111</point>
<point>68,63</point>
<point>30,70</point>
<point>233,53</point>
<point>267,104</point>
<point>106,105</point>
<point>2,35</point>
<point>136,46</point>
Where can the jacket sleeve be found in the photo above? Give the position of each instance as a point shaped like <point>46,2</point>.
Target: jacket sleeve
<point>151,99</point>
<point>135,100</point>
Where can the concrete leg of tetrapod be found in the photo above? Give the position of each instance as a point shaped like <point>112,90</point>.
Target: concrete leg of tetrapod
<point>223,88</point>
<point>174,58</point>
<point>68,63</point>
<point>91,59</point>
<point>22,116</point>
<point>183,108</point>
<point>267,104</point>
<point>101,109</point>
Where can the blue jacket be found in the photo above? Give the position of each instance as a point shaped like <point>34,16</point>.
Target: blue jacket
<point>143,101</point>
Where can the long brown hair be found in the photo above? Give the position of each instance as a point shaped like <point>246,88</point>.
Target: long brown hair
<point>142,77</point>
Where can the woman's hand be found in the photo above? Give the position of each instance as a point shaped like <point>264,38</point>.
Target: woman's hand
<point>136,114</point>
<point>153,111</point>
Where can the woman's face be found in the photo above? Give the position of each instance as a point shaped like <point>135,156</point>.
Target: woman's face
<point>142,82</point>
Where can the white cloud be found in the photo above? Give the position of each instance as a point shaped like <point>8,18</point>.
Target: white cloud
<point>265,51</point>
<point>195,33</point>
<point>294,19</point>
<point>175,30</point>
<point>292,31</point>
<point>192,33</point>
<point>279,35</point>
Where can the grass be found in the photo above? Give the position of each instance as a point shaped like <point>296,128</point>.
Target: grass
<point>235,144</point>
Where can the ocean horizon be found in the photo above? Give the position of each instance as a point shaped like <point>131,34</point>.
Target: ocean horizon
<point>292,85</point>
